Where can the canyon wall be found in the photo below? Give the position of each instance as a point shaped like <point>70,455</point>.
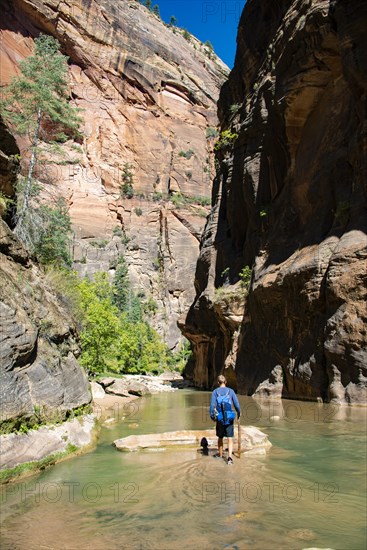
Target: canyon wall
<point>148,98</point>
<point>39,372</point>
<point>289,202</point>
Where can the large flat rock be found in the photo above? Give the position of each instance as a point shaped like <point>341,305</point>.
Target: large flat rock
<point>251,438</point>
<point>17,448</point>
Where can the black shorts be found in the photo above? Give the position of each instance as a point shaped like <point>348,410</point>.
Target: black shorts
<point>224,431</point>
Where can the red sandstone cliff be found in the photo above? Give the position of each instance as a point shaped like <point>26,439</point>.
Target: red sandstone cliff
<point>290,202</point>
<point>148,97</point>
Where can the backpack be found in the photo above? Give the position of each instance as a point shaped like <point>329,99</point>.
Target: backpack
<point>223,409</point>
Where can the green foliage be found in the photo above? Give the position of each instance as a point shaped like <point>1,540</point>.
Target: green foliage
<point>157,196</point>
<point>186,154</point>
<point>172,21</point>
<point>226,139</point>
<point>10,474</point>
<point>120,285</point>
<point>141,349</point>
<point>155,10</point>
<point>100,323</point>
<point>186,35</point>
<point>51,234</point>
<point>99,243</point>
<point>148,4</point>
<point>127,188</point>
<point>188,174</point>
<point>245,276</point>
<point>115,337</point>
<point>180,200</point>
<point>38,98</point>
<point>117,231</point>
<point>182,355</point>
<point>211,132</point>
<point>5,203</point>
<point>210,49</point>
<point>138,212</point>
<point>41,88</point>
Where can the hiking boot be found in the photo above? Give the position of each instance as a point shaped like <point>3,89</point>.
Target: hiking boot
<point>229,461</point>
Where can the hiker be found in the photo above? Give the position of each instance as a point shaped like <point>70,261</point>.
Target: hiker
<point>221,411</point>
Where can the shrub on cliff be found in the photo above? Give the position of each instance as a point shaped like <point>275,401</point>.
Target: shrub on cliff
<point>226,139</point>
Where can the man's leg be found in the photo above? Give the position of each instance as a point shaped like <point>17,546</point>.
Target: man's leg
<point>230,447</point>
<point>220,446</point>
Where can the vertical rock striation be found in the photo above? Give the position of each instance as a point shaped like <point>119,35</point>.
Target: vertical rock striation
<point>290,202</point>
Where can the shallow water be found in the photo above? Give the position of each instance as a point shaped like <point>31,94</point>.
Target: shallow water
<point>308,492</point>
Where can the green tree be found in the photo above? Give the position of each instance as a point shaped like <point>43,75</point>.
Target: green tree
<point>52,239</point>
<point>38,97</point>
<point>148,4</point>
<point>101,325</point>
<point>120,285</point>
<point>172,21</point>
<point>155,10</point>
<point>186,35</point>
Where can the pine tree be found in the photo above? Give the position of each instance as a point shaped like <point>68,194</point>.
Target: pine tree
<point>155,10</point>
<point>38,96</point>
<point>173,21</point>
<point>120,285</point>
<point>148,4</point>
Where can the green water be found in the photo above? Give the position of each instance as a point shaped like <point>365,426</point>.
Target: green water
<point>308,492</point>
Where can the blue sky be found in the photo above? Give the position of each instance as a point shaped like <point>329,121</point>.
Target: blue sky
<point>216,21</point>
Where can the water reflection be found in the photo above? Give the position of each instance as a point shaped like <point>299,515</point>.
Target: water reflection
<point>308,492</point>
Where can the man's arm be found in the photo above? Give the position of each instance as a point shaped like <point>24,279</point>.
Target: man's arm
<point>236,403</point>
<point>212,405</point>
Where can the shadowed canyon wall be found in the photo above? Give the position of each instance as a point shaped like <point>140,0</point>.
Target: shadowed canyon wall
<point>148,97</point>
<point>289,202</point>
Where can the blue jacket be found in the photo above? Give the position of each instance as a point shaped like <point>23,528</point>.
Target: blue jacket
<point>223,391</point>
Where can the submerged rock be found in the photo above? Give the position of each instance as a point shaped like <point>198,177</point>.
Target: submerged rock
<point>251,438</point>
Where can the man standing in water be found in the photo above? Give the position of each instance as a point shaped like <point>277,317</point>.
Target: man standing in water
<point>223,397</point>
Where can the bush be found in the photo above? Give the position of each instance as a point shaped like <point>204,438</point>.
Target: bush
<point>186,154</point>
<point>245,276</point>
<point>211,132</point>
<point>226,139</point>
<point>127,188</point>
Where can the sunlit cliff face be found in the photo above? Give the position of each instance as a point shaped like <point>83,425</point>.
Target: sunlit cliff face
<point>148,98</point>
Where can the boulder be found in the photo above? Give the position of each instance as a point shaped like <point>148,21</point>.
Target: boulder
<point>38,444</point>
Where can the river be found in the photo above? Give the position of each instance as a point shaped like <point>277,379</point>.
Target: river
<point>308,492</point>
